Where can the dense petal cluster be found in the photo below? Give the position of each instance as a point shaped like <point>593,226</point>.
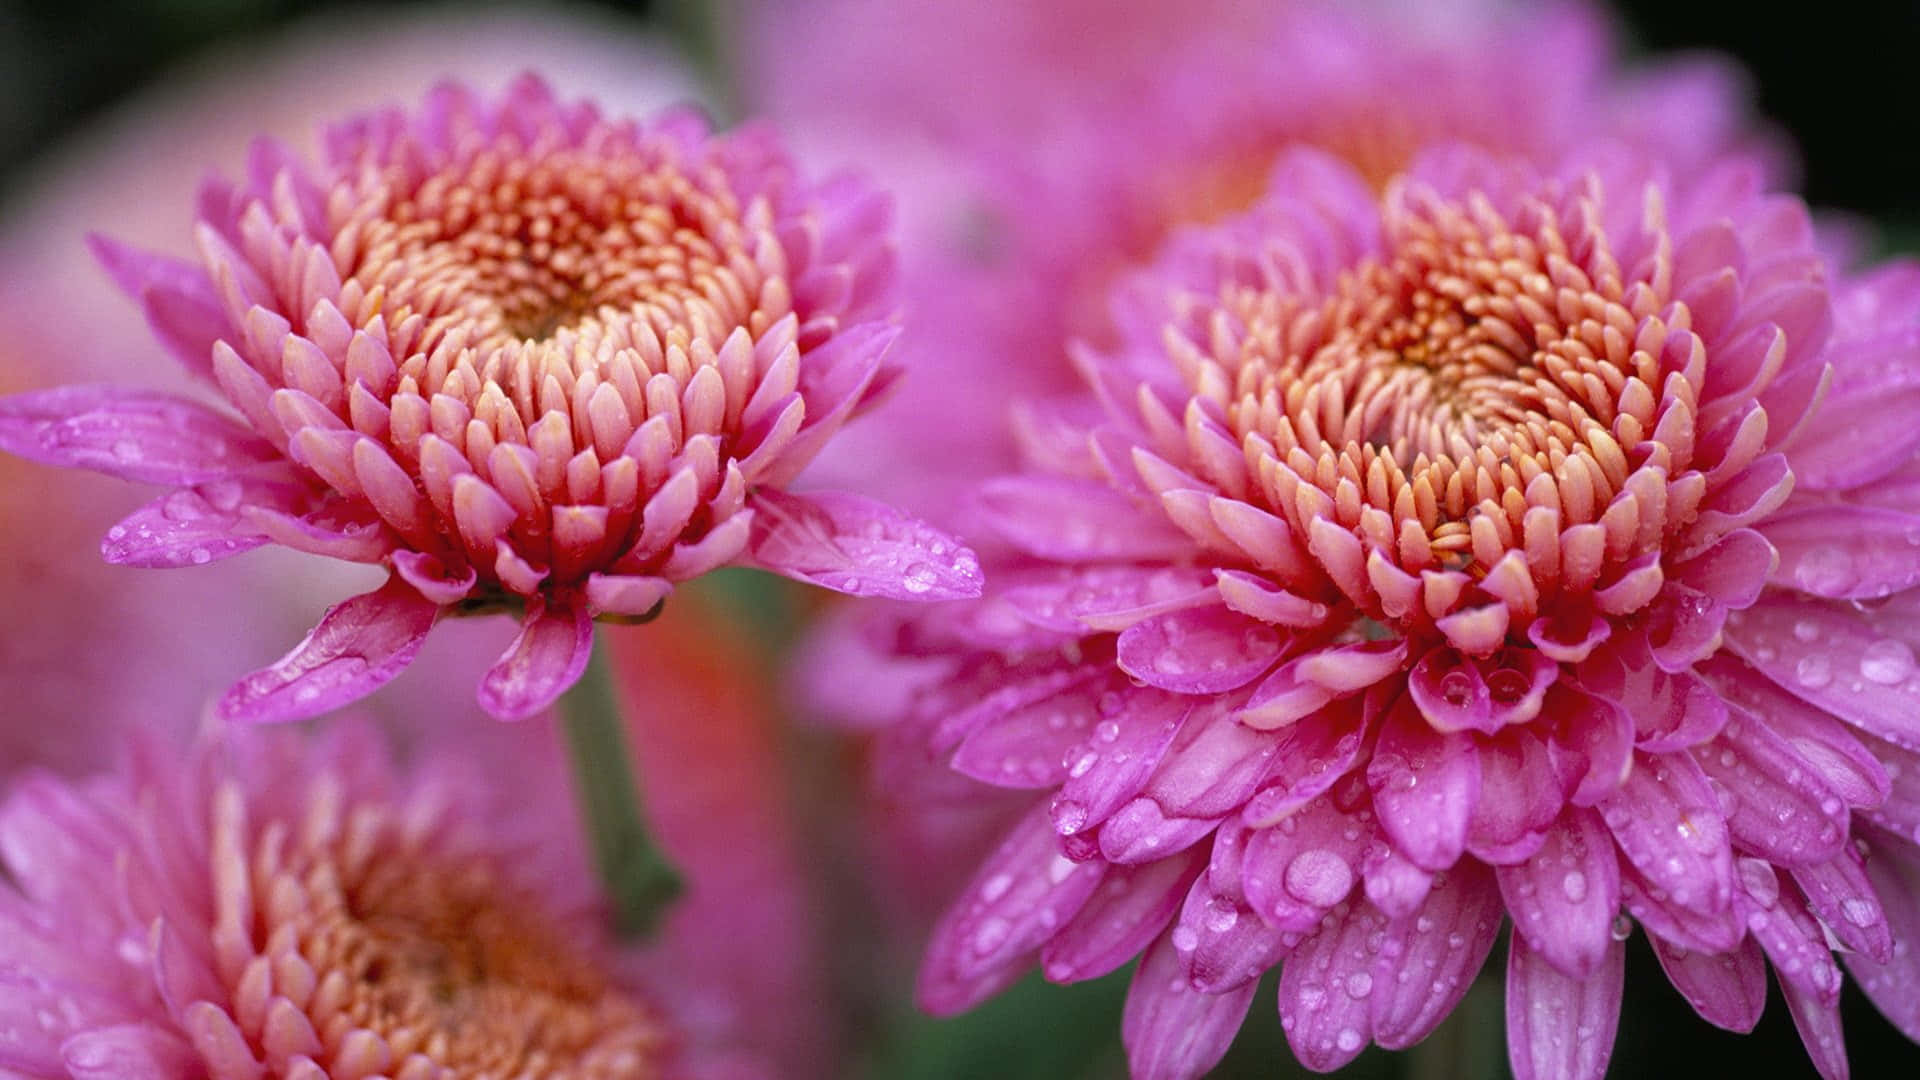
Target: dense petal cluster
<point>1092,174</point>
<point>524,356</point>
<point>263,908</point>
<point>1497,543</point>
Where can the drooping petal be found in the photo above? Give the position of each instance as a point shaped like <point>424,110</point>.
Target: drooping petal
<point>1728,990</point>
<point>1667,821</point>
<point>858,546</point>
<point>548,655</point>
<point>1433,953</point>
<point>1127,912</point>
<point>1565,897</point>
<point>1559,1028</point>
<point>194,526</point>
<point>1425,785</point>
<point>357,646</point>
<point>1326,986</point>
<point>1893,866</point>
<point>1171,1030</point>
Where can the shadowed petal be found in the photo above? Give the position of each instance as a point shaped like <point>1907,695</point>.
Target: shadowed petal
<point>358,646</point>
<point>1728,990</point>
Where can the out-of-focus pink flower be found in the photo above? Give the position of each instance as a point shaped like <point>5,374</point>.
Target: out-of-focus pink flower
<point>1506,542</point>
<point>263,907</point>
<point>1073,177</point>
<point>524,356</point>
<point>88,645</point>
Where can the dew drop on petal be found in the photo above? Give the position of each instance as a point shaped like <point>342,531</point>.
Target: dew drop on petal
<point>1887,662</point>
<point>1813,672</point>
<point>1574,885</point>
<point>1318,877</point>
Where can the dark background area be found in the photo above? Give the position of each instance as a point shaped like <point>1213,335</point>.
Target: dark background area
<point>1839,78</point>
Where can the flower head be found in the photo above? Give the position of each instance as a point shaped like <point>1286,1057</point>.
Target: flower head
<point>269,909</point>
<point>1500,543</point>
<point>526,357</point>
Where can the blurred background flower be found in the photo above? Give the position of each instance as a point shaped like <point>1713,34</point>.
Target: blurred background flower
<point>112,113</point>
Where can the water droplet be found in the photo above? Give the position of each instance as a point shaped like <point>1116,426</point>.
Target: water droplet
<point>1348,1040</point>
<point>1087,760</point>
<point>1221,915</point>
<point>1887,662</point>
<point>1827,570</point>
<point>1059,868</point>
<point>1859,911</point>
<point>992,932</point>
<point>918,578</point>
<point>1359,984</point>
<point>200,556</point>
<point>1185,938</point>
<point>126,450</point>
<point>996,887</point>
<point>1068,816</point>
<point>1813,672</point>
<point>1806,630</point>
<point>1574,885</point>
<point>1622,928</point>
<point>1318,877</point>
<point>1107,731</point>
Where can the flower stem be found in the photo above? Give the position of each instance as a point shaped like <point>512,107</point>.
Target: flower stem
<point>639,880</point>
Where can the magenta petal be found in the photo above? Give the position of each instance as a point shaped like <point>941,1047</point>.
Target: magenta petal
<point>1844,551</point>
<point>1776,806</point>
<point>1438,948</point>
<point>1126,913</point>
<point>1027,745</point>
<point>358,646</point>
<point>431,578</point>
<point>1221,941</point>
<point>189,527</point>
<point>141,435</point>
<point>1843,897</point>
<point>1818,1021</point>
<point>1519,798</point>
<point>833,380</point>
<point>548,656</point>
<point>855,545</point>
<point>1564,899</point>
<point>1894,986</point>
<point>1854,772</point>
<point>1326,985</point>
<point>1309,757</point>
<point>1425,785</point>
<point>1667,821</point>
<point>1019,896</point>
<point>1591,745</point>
<point>1213,766</point>
<point>1829,655</point>
<point>1728,990</point>
<point>1863,430</point>
<point>1113,764</point>
<point>1205,650</point>
<point>1171,1030</point>
<point>1560,1028</point>
<point>1143,831</point>
<point>1296,871</point>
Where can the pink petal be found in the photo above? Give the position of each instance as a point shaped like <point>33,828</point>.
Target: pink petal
<point>1457,692</point>
<point>1831,656</point>
<point>1112,765</point>
<point>833,379</point>
<point>141,435</point>
<point>1519,798</point>
<point>1564,899</point>
<point>1844,551</point>
<point>1127,912</point>
<point>1326,986</point>
<point>1309,757</point>
<point>1198,650</point>
<point>1438,948</point>
<point>1818,1022</point>
<point>1029,745</point>
<point>1728,990</point>
<point>1171,1030</point>
<point>1861,432</point>
<point>1667,821</point>
<point>1298,870</point>
<point>855,545</point>
<point>1843,897</point>
<point>124,1051</point>
<point>547,657</point>
<point>1425,785</point>
<point>1894,986</point>
<point>358,646</point>
<point>1670,710</point>
<point>1775,804</point>
<point>1143,831</point>
<point>622,594</point>
<point>1854,772</point>
<point>1213,766</point>
<point>431,578</point>
<point>192,526</point>
<point>1020,894</point>
<point>1560,1028</point>
<point>1110,597</point>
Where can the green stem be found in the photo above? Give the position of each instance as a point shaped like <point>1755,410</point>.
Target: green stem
<point>639,880</point>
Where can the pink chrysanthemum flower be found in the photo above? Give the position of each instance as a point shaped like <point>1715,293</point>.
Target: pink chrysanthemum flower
<point>526,357</point>
<point>264,909</point>
<point>1506,545</point>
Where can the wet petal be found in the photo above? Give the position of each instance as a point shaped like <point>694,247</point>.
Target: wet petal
<point>548,656</point>
<point>1431,956</point>
<point>141,435</point>
<point>1565,897</point>
<point>358,646</point>
<point>1171,1030</point>
<point>1560,1028</point>
<point>1668,824</point>
<point>1425,785</point>
<point>855,545</point>
<point>1326,985</point>
<point>1728,990</point>
<point>1203,650</point>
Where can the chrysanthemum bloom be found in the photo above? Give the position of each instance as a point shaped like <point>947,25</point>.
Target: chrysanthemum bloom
<point>1074,179</point>
<point>263,909</point>
<point>1506,545</point>
<point>524,356</point>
